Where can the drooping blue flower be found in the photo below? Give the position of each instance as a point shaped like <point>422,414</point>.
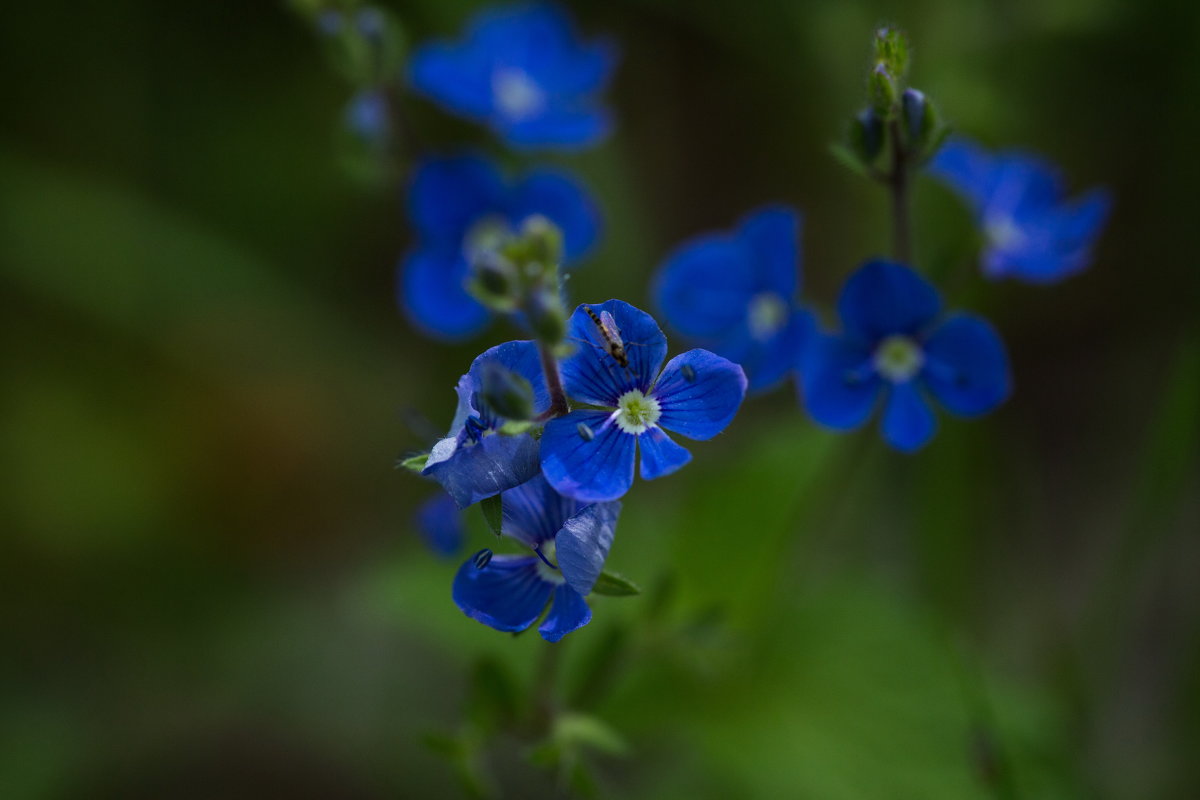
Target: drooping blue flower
<point>735,294</point>
<point>440,524</point>
<point>461,204</point>
<point>1033,232</point>
<point>896,345</point>
<point>524,72</point>
<point>589,454</point>
<point>475,460</point>
<point>570,542</point>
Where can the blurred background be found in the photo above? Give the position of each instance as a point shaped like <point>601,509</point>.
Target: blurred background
<point>212,585</point>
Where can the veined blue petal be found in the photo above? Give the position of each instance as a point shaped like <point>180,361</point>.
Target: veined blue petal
<point>908,421</point>
<point>840,387</point>
<point>704,288</point>
<point>570,612</point>
<point>699,392</point>
<point>583,544</point>
<point>884,298</point>
<point>563,201</point>
<point>534,513</point>
<point>591,469</point>
<point>448,194</point>
<point>660,455</point>
<point>434,295</point>
<point>508,594</point>
<point>772,235</point>
<point>966,366</point>
<point>441,525</point>
<point>591,374</point>
<point>522,358</point>
<point>470,471</point>
<point>455,77</point>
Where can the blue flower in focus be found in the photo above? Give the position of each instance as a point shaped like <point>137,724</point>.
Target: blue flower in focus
<point>440,523</point>
<point>475,460</point>
<point>893,345</point>
<point>461,205</point>
<point>522,71</point>
<point>589,453</point>
<point>735,294</point>
<point>1033,232</point>
<point>570,542</point>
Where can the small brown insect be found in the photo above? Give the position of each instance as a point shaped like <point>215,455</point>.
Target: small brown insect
<point>611,335</point>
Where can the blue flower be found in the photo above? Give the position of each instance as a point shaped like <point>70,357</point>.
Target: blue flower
<point>589,453</point>
<point>735,294</point>
<point>1033,233</point>
<point>459,205</point>
<point>522,71</point>
<point>441,525</point>
<point>893,344</point>
<point>570,542</point>
<point>475,460</point>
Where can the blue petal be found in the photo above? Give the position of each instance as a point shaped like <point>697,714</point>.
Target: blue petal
<point>508,594</point>
<point>884,298</point>
<point>704,288</point>
<point>522,358</point>
<point>441,525</point>
<point>1049,244</point>
<point>541,40</point>
<point>699,392</point>
<point>457,78</point>
<point>908,421</point>
<point>591,374</point>
<point>839,385</point>
<point>471,471</point>
<point>592,470</point>
<point>660,455</point>
<point>965,167</point>
<point>433,294</point>
<point>561,127</point>
<point>768,361</point>
<point>563,201</point>
<point>534,513</point>
<point>583,544</point>
<point>772,236</point>
<point>1020,183</point>
<point>966,366</point>
<point>570,612</point>
<point>447,195</point>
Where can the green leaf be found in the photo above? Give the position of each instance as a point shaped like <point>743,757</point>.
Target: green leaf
<point>413,463</point>
<point>848,159</point>
<point>491,508</point>
<point>573,730</point>
<point>613,585</point>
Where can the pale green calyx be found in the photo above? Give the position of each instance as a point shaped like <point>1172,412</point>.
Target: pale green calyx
<point>899,359</point>
<point>636,412</point>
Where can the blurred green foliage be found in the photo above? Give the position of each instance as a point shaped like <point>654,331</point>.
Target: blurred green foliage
<point>211,583</point>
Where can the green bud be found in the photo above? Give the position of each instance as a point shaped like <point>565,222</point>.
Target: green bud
<point>919,119</point>
<point>882,89</point>
<point>505,392</point>
<point>494,281</point>
<point>866,136</point>
<point>544,240</point>
<point>891,50</point>
<point>547,316</point>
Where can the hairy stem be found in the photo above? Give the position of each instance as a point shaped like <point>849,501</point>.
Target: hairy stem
<point>554,384</point>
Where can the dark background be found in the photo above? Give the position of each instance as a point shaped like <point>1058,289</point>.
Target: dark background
<point>210,581</point>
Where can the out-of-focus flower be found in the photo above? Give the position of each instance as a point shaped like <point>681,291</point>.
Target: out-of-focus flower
<point>894,344</point>
<point>1033,232</point>
<point>440,524</point>
<point>461,207</point>
<point>589,454</point>
<point>735,294</point>
<point>522,71</point>
<point>570,542</point>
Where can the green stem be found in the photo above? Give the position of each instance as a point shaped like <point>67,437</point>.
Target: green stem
<point>898,183</point>
<point>554,384</point>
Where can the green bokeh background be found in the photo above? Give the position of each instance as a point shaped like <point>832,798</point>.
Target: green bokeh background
<point>211,584</point>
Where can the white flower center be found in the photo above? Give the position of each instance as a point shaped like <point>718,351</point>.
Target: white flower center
<point>516,95</point>
<point>545,572</point>
<point>1004,233</point>
<point>768,313</point>
<point>635,412</point>
<point>899,358</point>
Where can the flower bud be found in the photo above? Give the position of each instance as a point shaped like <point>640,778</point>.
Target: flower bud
<point>882,89</point>
<point>543,240</point>
<point>494,280</point>
<point>891,50</point>
<point>508,394</point>
<point>866,136</point>
<point>920,120</point>
<point>547,316</point>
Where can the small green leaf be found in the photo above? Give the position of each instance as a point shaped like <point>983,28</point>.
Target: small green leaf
<point>613,585</point>
<point>491,508</point>
<point>573,730</point>
<point>848,158</point>
<point>413,463</point>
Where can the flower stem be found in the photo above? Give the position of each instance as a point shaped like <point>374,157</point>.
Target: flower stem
<point>554,384</point>
<point>898,182</point>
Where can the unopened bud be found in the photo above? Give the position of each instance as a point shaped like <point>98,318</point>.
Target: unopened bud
<point>543,240</point>
<point>508,394</point>
<point>920,120</point>
<point>882,89</point>
<point>866,136</point>
<point>891,50</point>
<point>547,316</point>
<point>494,281</point>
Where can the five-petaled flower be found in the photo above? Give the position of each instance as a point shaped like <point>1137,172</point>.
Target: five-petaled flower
<point>476,459</point>
<point>589,454</point>
<point>893,343</point>
<point>735,294</point>
<point>1033,233</point>
<point>461,206</point>
<point>524,72</point>
<point>570,542</point>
